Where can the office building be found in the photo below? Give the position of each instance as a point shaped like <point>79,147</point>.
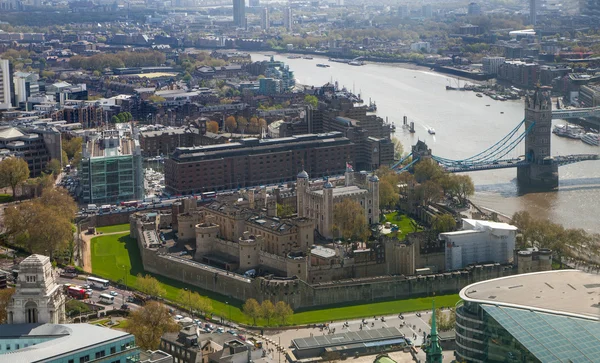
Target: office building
<point>589,95</point>
<point>111,168</point>
<point>25,86</point>
<point>254,162</point>
<point>479,242</point>
<point>269,86</point>
<point>254,3</point>
<point>490,65</point>
<point>474,9</point>
<point>288,19</point>
<point>533,12</point>
<point>38,298</point>
<point>165,141</point>
<point>37,145</point>
<point>421,47</point>
<point>5,94</point>
<point>239,13</point>
<point>403,11</point>
<point>427,11</point>
<point>65,343</point>
<point>537,317</point>
<point>265,22</point>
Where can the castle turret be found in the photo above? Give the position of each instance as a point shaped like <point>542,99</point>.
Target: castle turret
<point>206,233</point>
<point>301,186</point>
<point>248,245</point>
<point>373,207</point>
<point>327,215</point>
<point>542,172</point>
<point>349,175</point>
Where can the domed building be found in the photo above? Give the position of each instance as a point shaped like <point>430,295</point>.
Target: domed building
<point>317,204</point>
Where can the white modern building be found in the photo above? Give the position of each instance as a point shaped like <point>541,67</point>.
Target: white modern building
<point>37,298</point>
<point>479,242</point>
<point>420,46</point>
<point>490,65</point>
<point>5,96</point>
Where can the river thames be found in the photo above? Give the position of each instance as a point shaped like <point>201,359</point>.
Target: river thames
<point>465,125</point>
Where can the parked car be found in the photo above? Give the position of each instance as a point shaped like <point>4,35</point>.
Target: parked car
<point>113,293</point>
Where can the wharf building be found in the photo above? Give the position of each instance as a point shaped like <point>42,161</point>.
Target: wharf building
<point>252,162</point>
<point>164,141</point>
<point>111,167</point>
<point>547,316</point>
<point>36,144</point>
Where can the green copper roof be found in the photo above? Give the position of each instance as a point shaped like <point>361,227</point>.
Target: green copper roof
<point>384,358</point>
<point>434,349</point>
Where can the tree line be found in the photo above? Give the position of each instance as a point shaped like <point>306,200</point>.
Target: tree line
<point>564,242</point>
<point>254,126</point>
<point>98,62</point>
<point>267,310</point>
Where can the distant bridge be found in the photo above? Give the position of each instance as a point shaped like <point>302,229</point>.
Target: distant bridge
<point>569,113</point>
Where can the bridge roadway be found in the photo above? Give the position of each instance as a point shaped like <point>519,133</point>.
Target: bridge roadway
<point>576,113</point>
<point>459,167</point>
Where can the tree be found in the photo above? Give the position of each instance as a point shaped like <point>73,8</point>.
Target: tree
<point>5,296</point>
<point>311,100</point>
<point>200,303</point>
<point>230,124</point>
<point>149,323</point>
<point>349,220</point>
<point>72,146</point>
<point>429,192</point>
<point>444,320</point>
<point>464,187</point>
<point>398,148</point>
<point>242,123</point>
<point>252,309</point>
<point>427,170</point>
<point>254,126</point>
<point>156,99</point>
<point>42,225</point>
<point>262,124</point>
<point>115,120</point>
<point>150,286</point>
<point>54,167</point>
<point>388,196</point>
<point>443,223</point>
<point>267,310</point>
<point>283,311</point>
<point>284,210</point>
<point>13,172</point>
<point>212,126</point>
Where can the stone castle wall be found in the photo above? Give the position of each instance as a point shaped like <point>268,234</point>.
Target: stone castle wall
<point>228,248</point>
<point>272,261</point>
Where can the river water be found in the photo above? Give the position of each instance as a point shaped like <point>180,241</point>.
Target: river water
<point>465,126</point>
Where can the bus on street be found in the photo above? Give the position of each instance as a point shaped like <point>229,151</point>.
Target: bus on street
<point>107,299</point>
<point>77,292</point>
<point>98,283</point>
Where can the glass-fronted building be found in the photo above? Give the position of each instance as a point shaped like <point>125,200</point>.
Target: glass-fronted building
<point>539,317</point>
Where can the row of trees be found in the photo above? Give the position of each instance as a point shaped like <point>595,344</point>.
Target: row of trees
<point>121,117</point>
<point>99,62</point>
<point>241,124</point>
<point>267,310</point>
<point>542,233</point>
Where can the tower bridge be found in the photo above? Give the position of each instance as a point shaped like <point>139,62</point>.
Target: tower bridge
<point>571,113</point>
<point>535,169</point>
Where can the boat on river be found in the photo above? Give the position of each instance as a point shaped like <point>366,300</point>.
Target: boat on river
<point>323,65</point>
<point>431,131</point>
<point>591,138</point>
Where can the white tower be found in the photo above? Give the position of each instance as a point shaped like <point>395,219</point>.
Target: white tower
<point>38,298</point>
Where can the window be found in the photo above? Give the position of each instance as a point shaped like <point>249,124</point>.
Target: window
<point>71,361</point>
<point>30,278</point>
<point>84,359</point>
<point>7,346</point>
<point>113,350</point>
<point>100,354</point>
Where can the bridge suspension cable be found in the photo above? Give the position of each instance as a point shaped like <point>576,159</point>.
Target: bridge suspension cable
<point>491,149</point>
<point>401,161</point>
<point>495,154</point>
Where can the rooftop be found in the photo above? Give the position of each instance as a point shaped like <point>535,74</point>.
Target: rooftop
<point>343,191</point>
<point>563,292</point>
<point>362,336</point>
<point>61,339</point>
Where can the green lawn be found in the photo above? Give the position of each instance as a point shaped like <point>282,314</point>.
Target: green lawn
<point>5,198</point>
<point>114,228</point>
<point>378,308</point>
<point>115,255</point>
<point>404,223</point>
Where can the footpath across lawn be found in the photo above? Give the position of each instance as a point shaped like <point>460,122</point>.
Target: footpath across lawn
<point>117,255</point>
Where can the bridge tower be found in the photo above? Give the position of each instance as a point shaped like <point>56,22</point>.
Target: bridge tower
<point>542,172</point>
